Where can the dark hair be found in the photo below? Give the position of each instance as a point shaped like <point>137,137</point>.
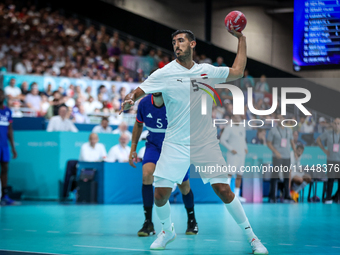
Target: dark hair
<point>105,118</point>
<point>300,145</point>
<point>190,35</point>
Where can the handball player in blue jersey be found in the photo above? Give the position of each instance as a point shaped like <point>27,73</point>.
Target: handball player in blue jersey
<point>152,112</point>
<point>6,133</point>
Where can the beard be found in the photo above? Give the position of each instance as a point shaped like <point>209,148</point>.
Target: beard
<point>185,56</point>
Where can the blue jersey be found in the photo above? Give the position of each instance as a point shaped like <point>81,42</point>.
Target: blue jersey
<point>154,119</point>
<point>5,120</point>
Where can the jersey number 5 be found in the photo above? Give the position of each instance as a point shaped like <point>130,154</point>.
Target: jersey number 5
<point>159,123</point>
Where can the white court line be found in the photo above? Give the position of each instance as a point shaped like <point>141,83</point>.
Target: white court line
<point>285,244</point>
<point>54,232</point>
<point>30,230</point>
<point>210,240</point>
<point>75,233</point>
<point>7,229</point>
<point>311,245</point>
<point>112,248</point>
<point>35,252</point>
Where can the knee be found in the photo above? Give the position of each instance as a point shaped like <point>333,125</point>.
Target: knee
<point>184,188</point>
<point>147,177</point>
<point>224,192</point>
<point>160,198</point>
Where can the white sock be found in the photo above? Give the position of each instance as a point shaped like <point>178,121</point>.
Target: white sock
<point>300,187</point>
<point>237,192</point>
<point>236,211</point>
<point>164,216</point>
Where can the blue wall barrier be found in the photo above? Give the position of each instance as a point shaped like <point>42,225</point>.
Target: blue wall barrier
<point>42,158</point>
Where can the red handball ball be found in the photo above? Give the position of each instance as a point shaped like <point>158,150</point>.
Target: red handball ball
<point>237,19</point>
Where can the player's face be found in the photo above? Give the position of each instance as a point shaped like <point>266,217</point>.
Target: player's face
<point>182,46</point>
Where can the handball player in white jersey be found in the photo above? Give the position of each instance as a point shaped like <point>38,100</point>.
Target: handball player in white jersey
<point>190,137</point>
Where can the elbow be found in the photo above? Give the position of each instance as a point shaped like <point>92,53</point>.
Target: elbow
<point>239,73</point>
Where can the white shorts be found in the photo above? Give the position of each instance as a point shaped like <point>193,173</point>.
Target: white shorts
<point>236,161</point>
<point>175,160</point>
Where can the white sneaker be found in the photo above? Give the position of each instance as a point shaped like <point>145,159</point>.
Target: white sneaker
<point>328,202</point>
<point>257,246</point>
<point>242,199</point>
<point>163,239</point>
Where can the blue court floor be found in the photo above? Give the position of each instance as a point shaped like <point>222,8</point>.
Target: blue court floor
<point>52,228</point>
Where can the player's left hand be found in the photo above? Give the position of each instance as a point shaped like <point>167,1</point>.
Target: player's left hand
<point>126,105</point>
<point>15,154</point>
<point>133,159</point>
<point>234,32</point>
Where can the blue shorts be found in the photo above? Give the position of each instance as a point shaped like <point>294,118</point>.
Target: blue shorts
<point>4,154</point>
<point>151,155</point>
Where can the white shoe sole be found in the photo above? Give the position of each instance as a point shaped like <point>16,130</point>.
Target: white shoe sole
<point>162,248</point>
<point>261,252</point>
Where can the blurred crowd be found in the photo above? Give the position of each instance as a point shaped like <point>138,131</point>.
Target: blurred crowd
<point>43,42</point>
<point>80,104</point>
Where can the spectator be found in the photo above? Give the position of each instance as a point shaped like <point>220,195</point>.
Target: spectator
<point>247,80</point>
<point>204,59</point>
<point>57,101</point>
<point>44,105</point>
<point>80,116</point>
<point>123,129</point>
<point>322,126</point>
<point>33,100</point>
<point>121,151</point>
<point>24,88</point>
<point>219,62</point>
<point>103,127</point>
<point>332,140</point>
<point>91,105</point>
<point>260,137</point>
<point>301,121</point>
<point>165,60</point>
<point>299,179</point>
<point>12,93</point>
<point>308,126</point>
<point>279,141</point>
<point>262,85</point>
<point>296,137</point>
<point>92,151</point>
<point>102,90</point>
<point>48,91</point>
<point>88,92</point>
<point>61,122</point>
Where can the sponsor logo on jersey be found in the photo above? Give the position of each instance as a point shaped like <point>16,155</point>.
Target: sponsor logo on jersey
<point>149,116</point>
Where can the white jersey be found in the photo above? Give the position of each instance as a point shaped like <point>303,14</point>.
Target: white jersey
<point>186,125</point>
<point>234,138</point>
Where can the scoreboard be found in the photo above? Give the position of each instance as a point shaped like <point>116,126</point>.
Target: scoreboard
<point>316,42</point>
